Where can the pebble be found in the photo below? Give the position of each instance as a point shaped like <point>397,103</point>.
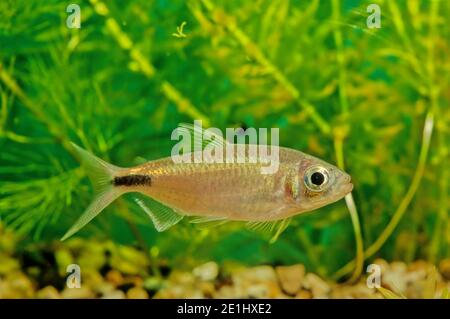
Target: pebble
<point>255,274</point>
<point>316,285</point>
<point>207,288</point>
<point>181,277</point>
<point>358,291</point>
<point>304,294</point>
<point>48,292</point>
<point>91,278</point>
<point>115,294</point>
<point>129,278</point>
<point>207,271</point>
<point>20,285</point>
<point>77,293</point>
<point>291,277</point>
<point>115,277</point>
<point>227,292</point>
<point>104,288</point>
<point>394,279</point>
<point>137,293</point>
<point>444,268</point>
<point>128,260</point>
<point>258,291</point>
<point>256,282</point>
<point>179,292</point>
<point>8,264</point>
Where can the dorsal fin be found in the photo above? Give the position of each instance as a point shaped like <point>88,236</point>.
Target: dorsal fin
<point>209,136</point>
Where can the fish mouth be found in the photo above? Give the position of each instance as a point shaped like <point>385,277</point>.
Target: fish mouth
<point>348,188</point>
<point>347,185</point>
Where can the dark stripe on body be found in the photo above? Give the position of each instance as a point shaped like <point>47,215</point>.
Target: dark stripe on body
<point>132,180</point>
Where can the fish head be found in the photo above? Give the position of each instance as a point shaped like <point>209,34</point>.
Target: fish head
<point>320,183</point>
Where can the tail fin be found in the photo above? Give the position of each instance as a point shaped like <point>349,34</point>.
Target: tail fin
<point>101,174</point>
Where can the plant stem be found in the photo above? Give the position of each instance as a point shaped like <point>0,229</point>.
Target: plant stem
<point>358,267</point>
<point>339,135</point>
<point>252,49</point>
<point>439,226</point>
<point>309,250</point>
<point>54,130</point>
<point>337,33</point>
<point>426,138</point>
<point>140,239</point>
<point>170,92</point>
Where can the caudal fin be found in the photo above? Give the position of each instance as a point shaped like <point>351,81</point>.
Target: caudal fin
<point>101,174</point>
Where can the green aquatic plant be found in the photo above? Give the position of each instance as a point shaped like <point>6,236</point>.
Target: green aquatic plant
<point>180,33</point>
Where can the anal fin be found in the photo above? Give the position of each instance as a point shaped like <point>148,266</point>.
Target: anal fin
<point>207,222</point>
<point>272,228</point>
<point>162,216</point>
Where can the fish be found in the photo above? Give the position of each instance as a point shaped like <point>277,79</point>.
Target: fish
<point>215,193</point>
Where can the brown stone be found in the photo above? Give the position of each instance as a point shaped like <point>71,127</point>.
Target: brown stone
<point>316,285</point>
<point>77,293</point>
<point>137,293</point>
<point>115,277</point>
<point>48,292</point>
<point>21,286</point>
<point>303,294</point>
<point>255,275</point>
<point>291,278</point>
<point>444,268</point>
<point>207,289</point>
<point>114,294</point>
<point>207,271</point>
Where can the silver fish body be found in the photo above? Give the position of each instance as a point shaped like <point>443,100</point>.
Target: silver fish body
<point>239,191</point>
<point>218,190</point>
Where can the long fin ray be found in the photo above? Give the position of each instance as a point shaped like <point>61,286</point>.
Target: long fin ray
<point>99,172</point>
<point>271,228</point>
<point>162,216</point>
<point>100,202</point>
<point>101,175</point>
<point>207,136</point>
<point>208,222</point>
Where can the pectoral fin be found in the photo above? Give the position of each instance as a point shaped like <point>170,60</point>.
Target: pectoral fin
<point>271,228</point>
<point>162,216</point>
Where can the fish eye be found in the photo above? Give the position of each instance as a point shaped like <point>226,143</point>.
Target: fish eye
<point>316,178</point>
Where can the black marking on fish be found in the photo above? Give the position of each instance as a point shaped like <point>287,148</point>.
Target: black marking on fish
<point>132,180</point>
